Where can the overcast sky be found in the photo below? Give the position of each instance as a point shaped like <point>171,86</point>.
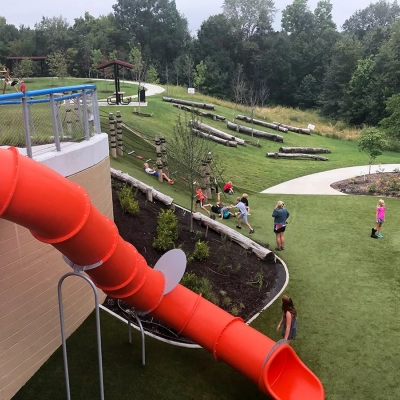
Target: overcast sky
<point>28,12</point>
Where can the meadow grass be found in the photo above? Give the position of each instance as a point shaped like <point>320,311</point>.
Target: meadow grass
<point>345,285</point>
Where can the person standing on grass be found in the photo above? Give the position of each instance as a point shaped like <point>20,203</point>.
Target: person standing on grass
<point>288,321</point>
<point>280,215</point>
<point>245,201</point>
<point>200,199</point>
<point>380,219</point>
<point>242,215</point>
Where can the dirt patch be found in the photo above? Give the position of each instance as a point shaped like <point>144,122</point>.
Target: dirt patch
<point>241,282</point>
<point>379,184</point>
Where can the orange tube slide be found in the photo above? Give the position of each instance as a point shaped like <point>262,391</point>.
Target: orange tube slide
<point>59,212</point>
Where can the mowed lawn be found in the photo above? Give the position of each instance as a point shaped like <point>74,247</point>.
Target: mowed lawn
<point>345,286</point>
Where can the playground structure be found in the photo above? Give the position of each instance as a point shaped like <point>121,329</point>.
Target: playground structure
<point>52,118</point>
<point>275,368</point>
<point>59,212</point>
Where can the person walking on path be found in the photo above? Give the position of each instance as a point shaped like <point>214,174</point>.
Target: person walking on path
<point>380,219</point>
<point>280,215</point>
<point>288,321</point>
<point>242,215</point>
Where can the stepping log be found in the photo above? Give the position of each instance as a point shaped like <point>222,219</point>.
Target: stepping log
<point>216,132</point>
<point>229,143</point>
<point>294,128</point>
<point>189,103</point>
<point>262,123</point>
<point>306,150</point>
<point>296,155</point>
<point>249,131</point>
<point>215,117</point>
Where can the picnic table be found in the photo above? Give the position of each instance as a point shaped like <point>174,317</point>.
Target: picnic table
<point>111,100</point>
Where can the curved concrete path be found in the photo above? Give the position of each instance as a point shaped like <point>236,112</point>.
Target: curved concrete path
<point>320,182</point>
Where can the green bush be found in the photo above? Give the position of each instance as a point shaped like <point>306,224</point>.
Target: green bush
<point>201,250</point>
<point>199,285</point>
<point>167,230</point>
<point>127,201</point>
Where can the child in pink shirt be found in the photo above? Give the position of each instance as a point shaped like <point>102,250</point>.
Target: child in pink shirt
<point>380,219</point>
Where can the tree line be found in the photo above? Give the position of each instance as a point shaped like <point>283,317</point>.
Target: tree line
<point>351,74</point>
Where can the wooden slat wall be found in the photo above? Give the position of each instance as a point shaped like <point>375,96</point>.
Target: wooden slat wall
<point>29,274</point>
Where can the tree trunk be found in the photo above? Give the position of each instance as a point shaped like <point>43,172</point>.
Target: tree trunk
<point>236,237</point>
<point>121,176</point>
<point>262,123</point>
<point>307,150</point>
<point>255,132</point>
<point>296,155</point>
<point>201,113</point>
<point>215,132</point>
<point>294,128</point>
<point>189,103</point>
<point>229,143</point>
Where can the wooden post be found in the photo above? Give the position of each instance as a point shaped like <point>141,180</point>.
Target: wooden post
<point>159,160</point>
<point>120,144</point>
<point>203,175</point>
<point>164,155</point>
<point>113,143</point>
<point>149,194</point>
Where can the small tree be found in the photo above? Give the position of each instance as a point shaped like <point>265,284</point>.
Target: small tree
<point>238,88</point>
<point>139,66</point>
<point>24,68</point>
<point>152,75</point>
<point>199,75</point>
<point>57,65</point>
<point>186,152</point>
<point>97,57</point>
<point>188,64</point>
<point>373,143</point>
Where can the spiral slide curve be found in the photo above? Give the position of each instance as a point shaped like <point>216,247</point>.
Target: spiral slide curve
<point>59,212</point>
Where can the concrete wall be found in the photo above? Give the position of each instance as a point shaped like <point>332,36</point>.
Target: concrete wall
<point>29,274</point>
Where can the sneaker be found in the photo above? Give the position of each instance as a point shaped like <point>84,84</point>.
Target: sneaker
<point>379,235</point>
<point>277,248</point>
<point>282,248</point>
<point>239,227</point>
<point>252,231</point>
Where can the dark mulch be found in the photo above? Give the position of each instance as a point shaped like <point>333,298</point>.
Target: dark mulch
<point>235,273</point>
<point>378,184</point>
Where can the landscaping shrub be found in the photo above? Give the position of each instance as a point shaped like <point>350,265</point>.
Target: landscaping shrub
<point>127,201</point>
<point>167,230</point>
<point>199,285</point>
<point>201,251</point>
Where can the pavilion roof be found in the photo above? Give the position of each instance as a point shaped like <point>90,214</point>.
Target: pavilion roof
<point>113,62</point>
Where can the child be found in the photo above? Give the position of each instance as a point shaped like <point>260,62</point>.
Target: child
<point>380,219</point>
<point>288,320</point>
<point>200,200</point>
<point>242,215</point>
<point>152,171</point>
<point>245,201</point>
<point>228,188</point>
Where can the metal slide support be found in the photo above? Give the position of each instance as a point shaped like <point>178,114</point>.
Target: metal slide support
<point>63,336</point>
<point>141,331</point>
<point>25,111</point>
<point>54,120</point>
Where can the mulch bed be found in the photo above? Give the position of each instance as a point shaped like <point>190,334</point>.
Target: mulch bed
<point>378,184</point>
<point>242,283</point>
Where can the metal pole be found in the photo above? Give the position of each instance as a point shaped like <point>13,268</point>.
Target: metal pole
<point>86,115</point>
<point>54,120</point>
<point>63,336</point>
<point>141,332</point>
<point>95,106</point>
<point>28,143</point>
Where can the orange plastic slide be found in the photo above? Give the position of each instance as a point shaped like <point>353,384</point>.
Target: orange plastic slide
<point>59,212</point>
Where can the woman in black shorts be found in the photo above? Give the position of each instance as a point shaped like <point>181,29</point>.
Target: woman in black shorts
<point>280,215</point>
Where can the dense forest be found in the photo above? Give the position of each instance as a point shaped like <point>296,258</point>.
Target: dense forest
<point>352,74</point>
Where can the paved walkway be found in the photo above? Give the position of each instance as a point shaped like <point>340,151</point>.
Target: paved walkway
<point>320,182</point>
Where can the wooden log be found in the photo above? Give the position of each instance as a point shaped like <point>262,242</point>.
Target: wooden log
<point>236,237</point>
<point>306,150</point>
<point>248,131</point>
<point>229,143</point>
<point>123,177</point>
<point>262,123</point>
<point>214,117</point>
<point>294,128</point>
<point>216,132</point>
<point>190,103</point>
<point>296,155</point>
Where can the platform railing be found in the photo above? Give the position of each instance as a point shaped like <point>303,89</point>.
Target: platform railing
<point>49,119</point>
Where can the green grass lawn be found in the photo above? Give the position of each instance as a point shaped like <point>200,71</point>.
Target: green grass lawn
<point>345,286</point>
